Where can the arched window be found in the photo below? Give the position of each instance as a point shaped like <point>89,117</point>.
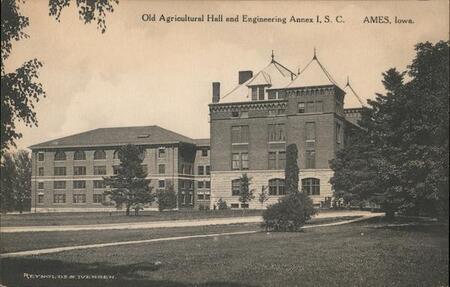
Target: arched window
<point>79,155</point>
<point>276,186</point>
<point>235,187</point>
<point>116,154</point>
<point>60,155</point>
<point>99,154</point>
<point>311,186</point>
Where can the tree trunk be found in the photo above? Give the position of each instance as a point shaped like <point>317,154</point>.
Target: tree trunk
<point>127,211</point>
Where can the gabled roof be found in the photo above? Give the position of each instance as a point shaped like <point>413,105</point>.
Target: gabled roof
<point>275,75</point>
<point>117,136</point>
<point>314,74</point>
<point>350,94</point>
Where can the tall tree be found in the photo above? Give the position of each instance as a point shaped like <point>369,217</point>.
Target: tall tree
<point>245,194</point>
<point>8,175</point>
<point>264,195</point>
<point>407,137</point>
<point>22,195</point>
<point>20,90</point>
<point>130,186</point>
<point>291,171</point>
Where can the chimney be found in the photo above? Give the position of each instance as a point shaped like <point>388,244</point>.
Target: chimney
<point>244,76</point>
<point>215,92</point>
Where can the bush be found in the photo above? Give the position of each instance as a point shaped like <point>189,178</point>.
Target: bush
<point>167,199</point>
<point>221,204</point>
<point>289,214</point>
<point>202,207</point>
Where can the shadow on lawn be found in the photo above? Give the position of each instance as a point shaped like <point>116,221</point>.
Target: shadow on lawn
<point>14,272</point>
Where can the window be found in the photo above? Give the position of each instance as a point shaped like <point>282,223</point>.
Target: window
<point>79,184</point>
<point>235,187</point>
<point>99,198</point>
<point>99,154</point>
<point>40,198</point>
<point>272,95</point>
<point>239,134</point>
<point>201,184</point>
<point>261,93</point>
<point>59,198</point>
<point>162,168</point>
<point>311,186</point>
<point>338,133</point>
<point>244,160</point>
<point>276,186</point>
<point>79,155</point>
<point>59,171</point>
<point>277,159</point>
<point>208,170</point>
<point>239,161</point>
<point>234,205</point>
<point>310,107</point>
<point>319,106</point>
<point>79,170</point>
<point>301,108</point>
<point>200,196</point>
<point>310,153</point>
<point>100,170</point>
<point>59,184</point>
<point>207,184</point>
<point>235,114</point>
<point>277,133</point>
<point>235,161</point>
<point>79,198</point>
<point>254,93</point>
<point>60,155</point>
<point>310,159</point>
<point>40,185</point>
<point>204,152</point>
<point>161,183</point>
<point>40,156</point>
<point>99,184</point>
<point>201,170</point>
<point>161,153</point>
<point>41,171</point>
<point>116,169</point>
<point>244,205</point>
<point>207,196</point>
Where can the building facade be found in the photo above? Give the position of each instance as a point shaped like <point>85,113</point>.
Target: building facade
<point>250,128</point>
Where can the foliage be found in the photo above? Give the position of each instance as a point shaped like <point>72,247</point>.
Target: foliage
<point>203,207</point>
<point>245,194</point>
<point>222,204</point>
<point>264,195</point>
<point>167,198</point>
<point>291,171</point>
<point>130,186</point>
<point>406,139</point>
<point>289,214</point>
<point>15,174</point>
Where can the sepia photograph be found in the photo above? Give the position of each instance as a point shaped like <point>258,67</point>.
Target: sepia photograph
<point>224,143</point>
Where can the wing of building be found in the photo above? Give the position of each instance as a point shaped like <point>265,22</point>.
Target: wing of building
<point>251,125</point>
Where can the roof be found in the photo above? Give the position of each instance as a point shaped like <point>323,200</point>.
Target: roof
<point>117,136</point>
<point>274,75</point>
<point>352,98</point>
<point>314,74</point>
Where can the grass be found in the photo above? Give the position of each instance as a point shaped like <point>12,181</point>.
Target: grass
<point>69,218</point>
<point>40,240</point>
<point>360,254</point>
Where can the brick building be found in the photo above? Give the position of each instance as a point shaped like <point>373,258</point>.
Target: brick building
<point>250,128</point>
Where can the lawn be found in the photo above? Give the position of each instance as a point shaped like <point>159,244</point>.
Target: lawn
<point>367,253</point>
<point>64,218</point>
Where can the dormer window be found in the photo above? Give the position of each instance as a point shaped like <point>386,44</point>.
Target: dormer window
<point>258,93</point>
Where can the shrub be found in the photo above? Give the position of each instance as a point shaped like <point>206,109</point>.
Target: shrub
<point>289,214</point>
<point>203,207</point>
<point>167,199</point>
<point>221,204</point>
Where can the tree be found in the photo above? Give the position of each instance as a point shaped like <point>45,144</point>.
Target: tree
<point>167,198</point>
<point>20,90</point>
<point>130,186</point>
<point>264,195</point>
<point>245,194</point>
<point>8,175</point>
<point>291,171</point>
<point>22,195</point>
<point>407,138</point>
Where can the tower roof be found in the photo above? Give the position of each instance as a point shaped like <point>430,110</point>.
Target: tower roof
<point>314,74</point>
<point>352,99</point>
<point>274,75</point>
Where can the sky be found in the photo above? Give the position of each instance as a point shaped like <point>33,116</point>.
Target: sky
<point>156,73</point>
